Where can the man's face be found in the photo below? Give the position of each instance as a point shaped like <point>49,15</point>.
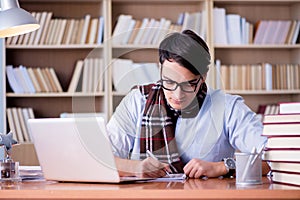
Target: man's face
<point>173,74</point>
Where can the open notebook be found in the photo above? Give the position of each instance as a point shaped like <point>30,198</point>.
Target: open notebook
<point>75,149</point>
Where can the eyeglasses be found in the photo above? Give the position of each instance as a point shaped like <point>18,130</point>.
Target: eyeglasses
<point>171,85</point>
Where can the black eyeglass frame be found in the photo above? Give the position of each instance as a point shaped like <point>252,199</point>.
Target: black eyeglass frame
<point>180,85</point>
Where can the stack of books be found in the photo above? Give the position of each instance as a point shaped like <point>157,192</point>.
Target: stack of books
<point>283,146</point>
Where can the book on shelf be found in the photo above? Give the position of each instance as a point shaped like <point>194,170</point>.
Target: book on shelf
<point>55,31</point>
<point>262,76</point>
<point>289,107</point>
<point>287,178</point>
<point>126,74</point>
<point>45,28</point>
<point>85,29</point>
<point>120,28</point>
<point>76,76</point>
<point>92,32</point>
<point>17,121</point>
<point>87,76</point>
<point>32,80</point>
<point>100,31</point>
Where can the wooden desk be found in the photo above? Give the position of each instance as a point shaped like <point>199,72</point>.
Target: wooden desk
<point>191,189</point>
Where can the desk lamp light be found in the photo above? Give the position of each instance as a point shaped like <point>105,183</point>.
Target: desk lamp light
<point>14,20</point>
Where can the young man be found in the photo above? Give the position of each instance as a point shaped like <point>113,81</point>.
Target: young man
<point>188,127</point>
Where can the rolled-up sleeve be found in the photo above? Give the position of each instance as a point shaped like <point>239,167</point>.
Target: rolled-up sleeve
<point>243,126</point>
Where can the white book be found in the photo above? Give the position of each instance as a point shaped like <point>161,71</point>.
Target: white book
<point>198,23</point>
<point>219,23</point>
<point>203,25</point>
<point>61,30</point>
<point>128,32</point>
<point>13,81</point>
<point>55,79</point>
<point>164,31</point>
<point>100,30</point>
<point>85,28</point>
<point>268,74</point>
<point>33,33</point>
<point>260,31</point>
<point>25,114</point>
<point>101,77</point>
<point>285,26</point>
<point>141,31</point>
<point>90,79</point>
<point>75,32</point>
<point>218,74</point>
<point>15,115</point>
<point>69,31</point>
<point>46,28</point>
<point>296,33</point>
<point>27,78</point>
<point>31,113</point>
<point>42,79</point>
<point>152,71</point>
<point>76,76</point>
<point>186,21</point>
<point>34,80</point>
<point>156,36</point>
<point>139,74</point>
<point>122,75</point>
<point>93,31</point>
<point>23,125</point>
<point>147,31</point>
<point>41,29</point>
<point>11,123</point>
<point>234,29</point>
<point>21,79</point>
<point>47,80</point>
<point>119,30</point>
<point>50,31</point>
<point>85,76</point>
<point>56,27</point>
<point>153,30</point>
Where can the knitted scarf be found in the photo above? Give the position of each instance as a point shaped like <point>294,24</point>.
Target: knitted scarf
<point>159,123</point>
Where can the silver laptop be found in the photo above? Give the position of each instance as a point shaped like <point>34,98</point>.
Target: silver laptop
<point>75,149</point>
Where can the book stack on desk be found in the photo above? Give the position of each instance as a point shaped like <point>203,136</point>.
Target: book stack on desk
<point>283,146</point>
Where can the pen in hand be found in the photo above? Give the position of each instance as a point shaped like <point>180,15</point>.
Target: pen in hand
<point>149,153</point>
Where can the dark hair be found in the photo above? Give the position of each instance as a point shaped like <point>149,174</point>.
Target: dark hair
<point>187,49</point>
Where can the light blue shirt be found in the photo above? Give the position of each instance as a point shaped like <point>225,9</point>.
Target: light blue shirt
<point>223,125</point>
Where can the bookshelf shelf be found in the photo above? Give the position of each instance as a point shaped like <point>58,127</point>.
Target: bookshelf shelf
<point>64,94</point>
<point>55,46</point>
<point>252,46</point>
<point>263,92</point>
